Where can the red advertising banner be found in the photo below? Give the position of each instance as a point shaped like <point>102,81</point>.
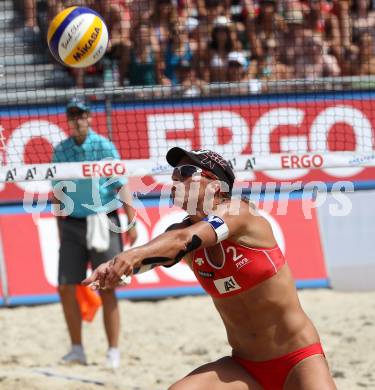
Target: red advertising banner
<point>230,127</point>
<point>31,252</point>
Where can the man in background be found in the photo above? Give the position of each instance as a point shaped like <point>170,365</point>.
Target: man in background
<point>89,227</point>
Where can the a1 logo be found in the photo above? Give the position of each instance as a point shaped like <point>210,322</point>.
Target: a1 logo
<point>226,285</point>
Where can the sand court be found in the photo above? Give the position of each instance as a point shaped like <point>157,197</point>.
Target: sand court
<point>164,340</point>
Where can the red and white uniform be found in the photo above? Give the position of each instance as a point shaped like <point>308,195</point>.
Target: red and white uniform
<point>241,267</point>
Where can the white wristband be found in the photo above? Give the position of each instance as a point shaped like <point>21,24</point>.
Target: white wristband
<point>220,227</point>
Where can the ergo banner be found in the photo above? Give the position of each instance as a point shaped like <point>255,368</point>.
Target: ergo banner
<point>231,127</point>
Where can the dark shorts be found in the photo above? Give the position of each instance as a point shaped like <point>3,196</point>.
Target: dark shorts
<point>74,256</point>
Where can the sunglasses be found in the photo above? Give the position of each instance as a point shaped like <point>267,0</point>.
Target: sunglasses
<point>183,172</point>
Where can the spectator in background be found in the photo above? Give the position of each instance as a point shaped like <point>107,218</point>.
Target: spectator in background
<point>349,61</point>
<point>268,24</point>
<point>191,85</point>
<point>269,65</point>
<point>200,6</point>
<point>162,21</point>
<point>191,26</point>
<point>31,22</point>
<point>140,11</point>
<point>208,13</point>
<point>56,6</point>
<point>77,246</point>
<point>187,11</point>
<point>365,62</point>
<point>144,65</point>
<point>363,20</point>
<point>221,44</point>
<point>53,8</point>
<point>117,17</point>
<point>178,49</point>
<point>314,63</point>
<point>239,72</point>
<point>324,24</point>
<point>238,10</point>
<point>29,32</point>
<point>341,8</point>
<point>294,33</point>
<point>294,5</point>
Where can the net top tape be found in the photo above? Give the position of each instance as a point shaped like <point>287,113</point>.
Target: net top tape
<point>134,168</point>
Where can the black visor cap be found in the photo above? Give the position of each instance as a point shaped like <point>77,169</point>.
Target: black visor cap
<point>205,159</point>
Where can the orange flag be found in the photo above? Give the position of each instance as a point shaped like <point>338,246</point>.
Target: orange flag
<point>89,302</point>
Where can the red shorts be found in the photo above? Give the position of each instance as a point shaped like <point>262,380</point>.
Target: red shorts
<point>271,374</point>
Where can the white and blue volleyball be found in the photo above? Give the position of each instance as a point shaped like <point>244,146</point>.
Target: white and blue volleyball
<point>77,37</point>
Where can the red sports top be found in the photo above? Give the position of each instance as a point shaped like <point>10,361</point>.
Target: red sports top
<point>241,269</point>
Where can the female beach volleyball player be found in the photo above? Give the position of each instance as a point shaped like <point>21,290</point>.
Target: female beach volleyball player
<point>234,256</point>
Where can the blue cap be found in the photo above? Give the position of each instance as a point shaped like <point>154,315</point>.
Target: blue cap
<point>77,105</point>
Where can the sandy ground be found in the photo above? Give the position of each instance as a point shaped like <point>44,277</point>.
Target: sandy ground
<point>164,340</point>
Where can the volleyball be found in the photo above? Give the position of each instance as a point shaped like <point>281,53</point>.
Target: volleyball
<point>77,37</point>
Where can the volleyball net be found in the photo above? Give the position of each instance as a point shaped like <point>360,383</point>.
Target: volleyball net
<point>255,133</point>
<point>294,98</point>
